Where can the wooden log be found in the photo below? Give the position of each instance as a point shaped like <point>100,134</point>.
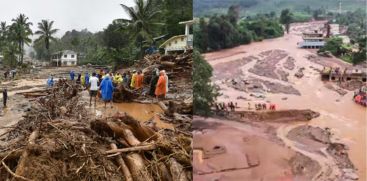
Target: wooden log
<point>142,132</point>
<point>21,167</point>
<point>163,106</point>
<point>137,167</point>
<point>177,171</point>
<point>164,174</point>
<point>124,133</point>
<point>168,64</point>
<point>131,149</point>
<point>124,169</point>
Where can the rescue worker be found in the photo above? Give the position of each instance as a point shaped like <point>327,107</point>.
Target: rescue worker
<point>139,80</point>
<point>106,88</point>
<point>160,90</point>
<point>133,78</point>
<point>72,75</point>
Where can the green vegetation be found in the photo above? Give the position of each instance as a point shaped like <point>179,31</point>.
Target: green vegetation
<point>204,91</point>
<point>226,31</point>
<point>20,33</point>
<point>356,51</point>
<point>336,46</point>
<point>286,18</point>
<point>205,8</point>
<point>46,33</point>
<point>120,43</point>
<point>355,21</point>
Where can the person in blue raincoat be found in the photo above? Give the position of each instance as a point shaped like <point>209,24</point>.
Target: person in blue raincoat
<point>72,75</point>
<point>106,88</point>
<point>50,81</point>
<point>86,79</point>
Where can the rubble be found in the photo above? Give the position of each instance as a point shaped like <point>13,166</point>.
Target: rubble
<point>179,70</point>
<point>57,140</point>
<point>299,74</point>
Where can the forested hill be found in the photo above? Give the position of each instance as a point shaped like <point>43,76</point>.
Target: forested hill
<point>251,7</point>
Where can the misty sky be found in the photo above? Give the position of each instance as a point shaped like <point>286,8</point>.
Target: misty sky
<point>94,15</point>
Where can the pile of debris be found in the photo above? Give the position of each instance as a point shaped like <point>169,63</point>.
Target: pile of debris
<point>57,140</point>
<point>178,68</point>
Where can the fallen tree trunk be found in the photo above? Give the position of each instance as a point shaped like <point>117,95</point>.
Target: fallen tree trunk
<point>168,64</point>
<point>21,167</point>
<point>124,169</point>
<point>164,174</point>
<point>137,167</point>
<point>177,171</point>
<point>131,149</point>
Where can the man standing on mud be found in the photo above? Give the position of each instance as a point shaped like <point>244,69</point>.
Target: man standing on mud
<point>5,96</point>
<point>107,90</point>
<point>160,90</point>
<point>93,81</point>
<point>72,75</point>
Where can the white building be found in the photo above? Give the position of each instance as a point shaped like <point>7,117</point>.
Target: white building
<point>312,40</point>
<point>65,58</point>
<point>180,42</point>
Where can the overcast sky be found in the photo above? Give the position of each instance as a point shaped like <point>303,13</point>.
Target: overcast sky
<point>94,15</point>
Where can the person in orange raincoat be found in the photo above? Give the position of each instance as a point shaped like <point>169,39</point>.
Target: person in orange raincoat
<point>160,90</point>
<point>139,80</point>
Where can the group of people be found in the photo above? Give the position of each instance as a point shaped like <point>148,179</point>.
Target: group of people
<point>232,106</point>
<point>262,106</point>
<point>11,73</point>
<point>106,82</point>
<point>224,107</point>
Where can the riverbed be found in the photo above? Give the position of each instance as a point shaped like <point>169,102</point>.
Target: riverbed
<point>346,119</point>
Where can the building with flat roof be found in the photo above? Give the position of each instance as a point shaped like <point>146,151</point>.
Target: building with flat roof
<point>312,40</point>
<point>64,58</point>
<point>180,42</point>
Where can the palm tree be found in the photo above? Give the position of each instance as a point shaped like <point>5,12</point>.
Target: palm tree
<point>3,35</point>
<point>46,33</point>
<point>21,31</point>
<point>142,20</point>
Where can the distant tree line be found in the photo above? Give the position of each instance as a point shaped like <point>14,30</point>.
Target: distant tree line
<point>226,31</point>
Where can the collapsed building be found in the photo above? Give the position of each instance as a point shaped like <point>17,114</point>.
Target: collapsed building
<point>348,74</point>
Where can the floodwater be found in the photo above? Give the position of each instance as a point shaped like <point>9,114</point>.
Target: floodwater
<point>139,111</point>
<point>346,119</point>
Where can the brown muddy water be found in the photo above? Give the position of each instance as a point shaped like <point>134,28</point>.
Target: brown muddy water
<point>346,119</point>
<point>140,111</point>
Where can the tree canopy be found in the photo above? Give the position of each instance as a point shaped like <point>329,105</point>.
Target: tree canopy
<point>205,92</point>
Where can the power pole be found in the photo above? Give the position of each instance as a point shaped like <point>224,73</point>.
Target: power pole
<point>340,7</point>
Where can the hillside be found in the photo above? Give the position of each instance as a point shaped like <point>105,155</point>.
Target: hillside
<point>209,7</point>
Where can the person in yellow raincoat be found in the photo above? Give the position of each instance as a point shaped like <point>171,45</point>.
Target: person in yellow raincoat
<point>82,79</point>
<point>133,78</point>
<point>117,78</point>
<point>160,90</point>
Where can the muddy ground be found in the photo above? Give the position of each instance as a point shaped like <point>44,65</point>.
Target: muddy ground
<point>291,80</point>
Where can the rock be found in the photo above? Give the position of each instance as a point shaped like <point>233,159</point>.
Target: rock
<point>284,98</point>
